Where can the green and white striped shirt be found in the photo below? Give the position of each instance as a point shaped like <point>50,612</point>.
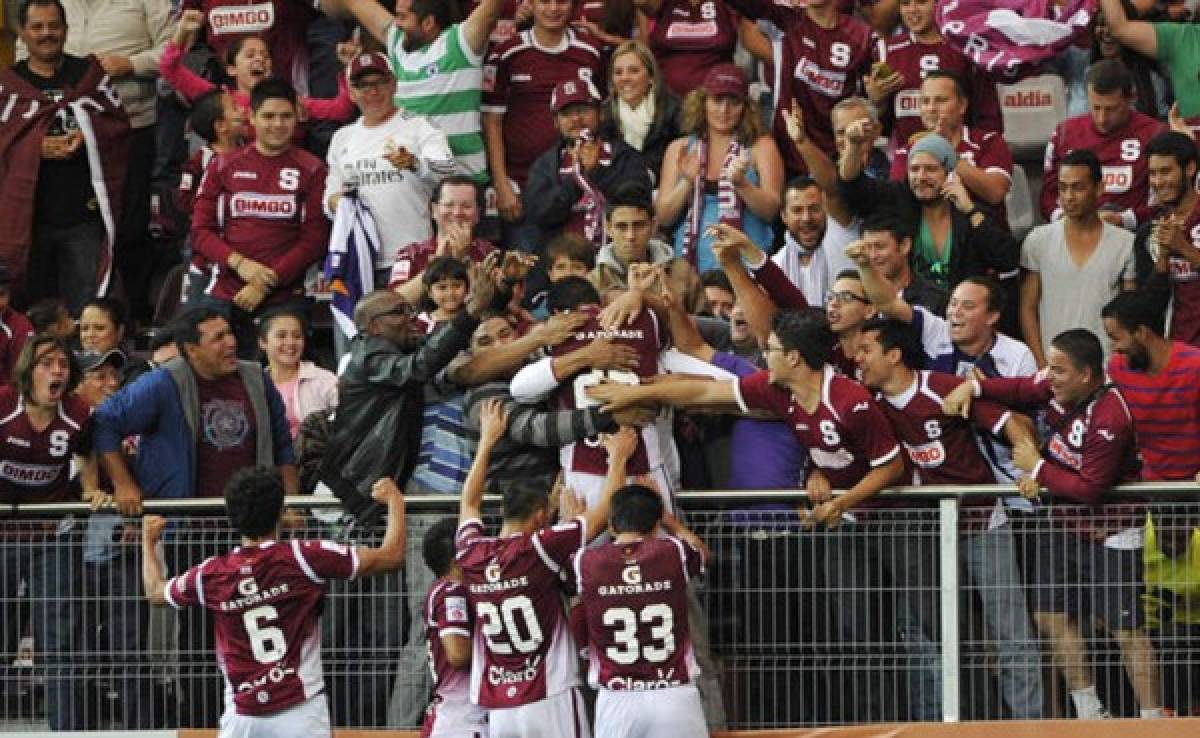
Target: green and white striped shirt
<point>443,82</point>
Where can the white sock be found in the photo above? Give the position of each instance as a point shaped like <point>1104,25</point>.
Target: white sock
<point>1152,713</point>
<point>1087,704</point>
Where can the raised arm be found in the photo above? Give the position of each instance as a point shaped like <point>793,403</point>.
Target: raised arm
<point>882,293</point>
<point>389,555</point>
<point>620,447</point>
<point>372,16</point>
<point>734,250</point>
<point>821,166</point>
<point>152,577</point>
<point>498,361</point>
<point>1139,36</point>
<point>479,24</point>
<point>493,424</point>
<point>719,395</point>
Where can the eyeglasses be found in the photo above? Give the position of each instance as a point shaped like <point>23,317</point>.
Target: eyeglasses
<point>378,83</point>
<point>843,297</point>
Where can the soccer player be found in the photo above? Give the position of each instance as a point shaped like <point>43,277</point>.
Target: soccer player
<point>448,628</point>
<point>1118,134</point>
<point>258,215</point>
<point>523,659</point>
<point>633,591</point>
<point>266,597</point>
<point>1090,448</point>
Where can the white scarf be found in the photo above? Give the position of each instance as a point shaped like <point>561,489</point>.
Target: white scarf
<point>813,279</point>
<point>636,122</point>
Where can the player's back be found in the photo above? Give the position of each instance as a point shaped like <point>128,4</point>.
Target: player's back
<point>522,650</point>
<point>635,602</point>
<point>266,602</point>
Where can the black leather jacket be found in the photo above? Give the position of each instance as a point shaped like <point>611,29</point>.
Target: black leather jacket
<point>377,426</point>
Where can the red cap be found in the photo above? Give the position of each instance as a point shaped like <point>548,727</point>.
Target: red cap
<point>572,91</point>
<point>372,61</point>
<point>726,79</point>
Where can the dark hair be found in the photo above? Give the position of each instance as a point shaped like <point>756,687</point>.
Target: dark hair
<point>523,498</point>
<point>437,547</point>
<point>186,329</point>
<point>806,331</point>
<point>996,297</point>
<point>630,195</point>
<point>892,334</point>
<point>23,10</point>
<point>960,87</point>
<point>571,293</point>
<point>848,274</point>
<point>235,47</point>
<point>34,349</point>
<point>1084,158</point>
<point>1108,76</point>
<point>253,500</point>
<point>275,88</point>
<point>799,184</point>
<point>207,111</point>
<point>271,315</point>
<point>456,180</point>
<point>1135,309</point>
<point>111,306</point>
<point>44,313</point>
<point>1176,145</point>
<point>445,12</point>
<point>716,278</point>
<point>444,267</point>
<point>889,220</point>
<point>1083,349</point>
<point>572,246</point>
<point>635,509</point>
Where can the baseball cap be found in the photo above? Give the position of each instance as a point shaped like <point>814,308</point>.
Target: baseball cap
<point>372,61</point>
<point>89,360</point>
<point>726,79</point>
<point>571,92</point>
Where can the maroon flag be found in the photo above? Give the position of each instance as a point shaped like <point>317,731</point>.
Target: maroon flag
<point>25,116</point>
<point>1010,37</point>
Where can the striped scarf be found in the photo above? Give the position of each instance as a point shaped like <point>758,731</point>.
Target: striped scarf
<point>729,205</point>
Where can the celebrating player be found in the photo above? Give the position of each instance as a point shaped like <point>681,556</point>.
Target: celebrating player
<point>266,597</point>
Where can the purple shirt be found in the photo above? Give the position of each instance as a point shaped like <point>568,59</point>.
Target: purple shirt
<point>768,454</point>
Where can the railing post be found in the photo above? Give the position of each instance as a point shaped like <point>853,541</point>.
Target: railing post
<point>948,557</point>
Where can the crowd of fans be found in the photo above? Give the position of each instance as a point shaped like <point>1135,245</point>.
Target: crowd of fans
<point>590,216</point>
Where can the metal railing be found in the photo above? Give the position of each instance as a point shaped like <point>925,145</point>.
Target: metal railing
<point>934,606</point>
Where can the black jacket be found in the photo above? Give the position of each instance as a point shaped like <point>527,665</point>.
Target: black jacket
<point>377,426</point>
<point>549,197</point>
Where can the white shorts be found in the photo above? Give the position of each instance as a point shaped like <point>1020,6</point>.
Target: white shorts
<point>590,487</point>
<point>309,719</point>
<point>456,720</point>
<point>560,716</point>
<point>675,712</point>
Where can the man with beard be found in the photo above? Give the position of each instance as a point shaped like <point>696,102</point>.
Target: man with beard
<point>814,241</point>
<point>1160,380</point>
<point>1172,239</point>
<point>1082,260</point>
<point>952,238</point>
<point>438,65</point>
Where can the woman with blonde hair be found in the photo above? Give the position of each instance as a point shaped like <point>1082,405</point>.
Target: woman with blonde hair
<point>726,169</point>
<point>640,107</point>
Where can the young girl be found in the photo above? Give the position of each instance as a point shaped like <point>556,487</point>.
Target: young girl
<point>446,284</point>
<point>306,387</point>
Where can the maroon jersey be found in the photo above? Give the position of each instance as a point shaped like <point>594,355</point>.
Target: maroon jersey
<point>226,433</point>
<point>942,449</point>
<point>1089,448</point>
<point>448,613</point>
<point>689,39</point>
<point>15,330</point>
<point>912,60</point>
<point>987,150</point>
<point>523,650</point>
<point>282,24</point>
<point>634,597</point>
<point>266,208</point>
<point>814,67</point>
<point>266,603</point>
<point>1185,287</point>
<point>846,437</point>
<point>643,335</point>
<point>1121,155</point>
<point>518,79</point>
<point>35,466</point>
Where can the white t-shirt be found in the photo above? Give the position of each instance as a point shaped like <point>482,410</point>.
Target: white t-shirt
<point>1073,296</point>
<point>398,199</point>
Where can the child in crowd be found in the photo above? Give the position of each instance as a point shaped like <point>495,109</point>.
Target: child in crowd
<point>446,284</point>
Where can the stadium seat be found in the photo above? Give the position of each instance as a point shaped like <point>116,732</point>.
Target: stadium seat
<point>1019,203</point>
<point>1032,108</point>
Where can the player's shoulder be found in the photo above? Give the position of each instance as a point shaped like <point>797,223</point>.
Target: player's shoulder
<point>845,393</point>
<point>75,412</point>
<point>517,43</point>
<point>940,383</point>
<point>853,27</point>
<point>305,160</point>
<point>583,41</point>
